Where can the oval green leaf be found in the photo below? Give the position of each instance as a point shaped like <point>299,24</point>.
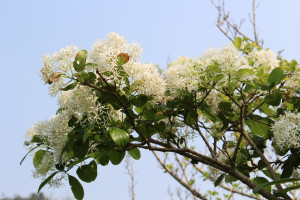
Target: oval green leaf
<point>273,99</point>
<point>116,157</point>
<point>38,157</point>
<point>119,136</point>
<point>135,153</point>
<point>80,60</point>
<point>276,75</point>
<point>76,188</point>
<point>87,173</point>
<point>258,128</point>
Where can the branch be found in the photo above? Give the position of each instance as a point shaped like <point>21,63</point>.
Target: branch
<point>178,179</point>
<point>228,188</point>
<point>130,172</point>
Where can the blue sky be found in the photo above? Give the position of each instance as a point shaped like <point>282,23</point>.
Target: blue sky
<point>165,29</point>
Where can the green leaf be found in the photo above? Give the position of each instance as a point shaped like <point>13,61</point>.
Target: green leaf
<point>46,181</point>
<point>138,110</point>
<point>87,173</point>
<point>90,77</point>
<point>27,154</point>
<point>262,180</point>
<point>281,192</point>
<point>135,153</point>
<point>70,86</point>
<point>103,160</point>
<point>258,128</point>
<point>245,71</point>
<point>273,99</point>
<point>276,75</point>
<point>80,60</point>
<point>72,164</point>
<point>116,157</point>
<point>268,111</point>
<point>249,86</point>
<point>140,100</point>
<point>80,149</point>
<point>119,136</point>
<point>238,42</point>
<point>219,180</point>
<point>218,77</point>
<point>36,139</point>
<point>284,180</point>
<point>287,172</point>
<point>76,188</point>
<point>38,157</point>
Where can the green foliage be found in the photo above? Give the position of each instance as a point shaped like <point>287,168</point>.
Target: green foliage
<point>119,136</point>
<point>135,153</point>
<point>46,181</point>
<point>237,42</point>
<point>116,157</point>
<point>76,187</point>
<point>276,76</point>
<point>266,184</point>
<point>262,180</point>
<point>38,157</point>
<point>87,173</point>
<point>273,99</point>
<point>235,108</point>
<point>80,60</point>
<point>219,180</point>
<point>258,127</point>
<point>70,86</point>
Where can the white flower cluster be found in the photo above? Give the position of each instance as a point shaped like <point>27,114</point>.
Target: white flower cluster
<point>287,130</point>
<point>180,75</point>
<point>146,79</point>
<point>79,101</point>
<point>189,74</point>
<point>53,132</point>
<point>105,53</point>
<point>59,62</point>
<point>265,58</point>
<point>293,80</point>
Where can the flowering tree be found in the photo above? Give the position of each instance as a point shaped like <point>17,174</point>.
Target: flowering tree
<point>237,101</point>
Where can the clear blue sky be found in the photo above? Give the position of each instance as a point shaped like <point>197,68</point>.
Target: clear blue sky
<point>165,29</point>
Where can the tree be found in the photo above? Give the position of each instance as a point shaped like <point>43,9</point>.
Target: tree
<point>239,102</point>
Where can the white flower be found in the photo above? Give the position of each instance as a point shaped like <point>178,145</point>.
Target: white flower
<point>105,53</point>
<point>79,101</point>
<point>59,62</point>
<point>179,76</point>
<point>146,79</point>
<point>266,58</point>
<point>189,74</point>
<point>293,80</point>
<point>213,100</point>
<point>53,132</point>
<point>287,130</point>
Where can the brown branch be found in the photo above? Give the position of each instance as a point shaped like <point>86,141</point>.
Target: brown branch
<point>130,172</point>
<point>183,169</point>
<point>254,22</point>
<point>178,179</point>
<point>227,188</point>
